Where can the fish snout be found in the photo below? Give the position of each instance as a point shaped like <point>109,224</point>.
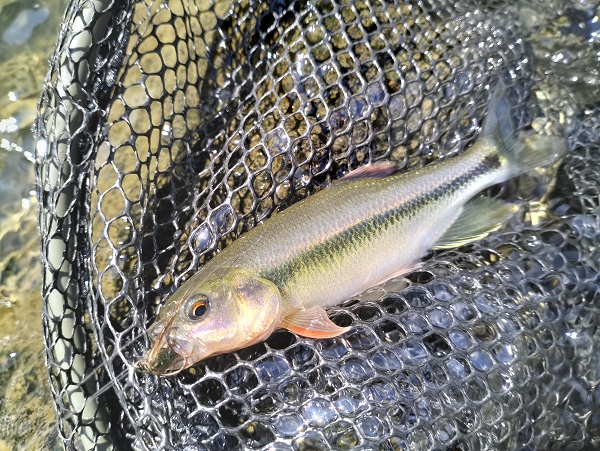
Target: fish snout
<point>169,355</point>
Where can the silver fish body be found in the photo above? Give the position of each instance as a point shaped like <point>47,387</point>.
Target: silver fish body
<point>356,233</point>
<point>362,230</point>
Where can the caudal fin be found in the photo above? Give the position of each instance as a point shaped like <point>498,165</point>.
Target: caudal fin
<point>522,151</point>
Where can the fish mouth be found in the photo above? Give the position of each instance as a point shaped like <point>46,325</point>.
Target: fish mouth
<point>163,362</point>
<point>168,356</point>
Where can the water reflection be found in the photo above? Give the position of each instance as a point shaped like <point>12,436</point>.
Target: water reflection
<point>29,31</point>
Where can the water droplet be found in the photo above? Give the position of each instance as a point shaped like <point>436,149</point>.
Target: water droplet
<point>319,412</point>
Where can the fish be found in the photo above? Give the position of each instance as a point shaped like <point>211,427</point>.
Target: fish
<point>373,224</point>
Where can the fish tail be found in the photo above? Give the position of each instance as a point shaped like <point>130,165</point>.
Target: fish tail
<point>520,152</point>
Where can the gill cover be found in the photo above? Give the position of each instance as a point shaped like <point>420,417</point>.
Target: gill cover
<point>222,311</point>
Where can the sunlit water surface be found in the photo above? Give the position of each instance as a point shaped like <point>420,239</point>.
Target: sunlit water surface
<point>28,31</point>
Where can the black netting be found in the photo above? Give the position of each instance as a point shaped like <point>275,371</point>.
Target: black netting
<point>170,128</point>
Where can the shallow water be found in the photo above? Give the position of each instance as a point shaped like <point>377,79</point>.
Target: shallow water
<point>28,31</point>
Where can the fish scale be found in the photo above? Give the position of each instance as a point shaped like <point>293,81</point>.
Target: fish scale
<point>359,232</point>
<point>388,213</point>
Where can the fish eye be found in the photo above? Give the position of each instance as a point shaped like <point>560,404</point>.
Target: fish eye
<point>199,306</point>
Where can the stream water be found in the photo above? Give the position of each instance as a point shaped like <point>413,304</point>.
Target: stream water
<point>28,31</point>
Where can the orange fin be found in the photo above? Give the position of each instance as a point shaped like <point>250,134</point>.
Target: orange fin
<point>313,323</point>
<point>376,170</point>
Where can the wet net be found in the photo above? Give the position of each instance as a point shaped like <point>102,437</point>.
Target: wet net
<point>167,129</point>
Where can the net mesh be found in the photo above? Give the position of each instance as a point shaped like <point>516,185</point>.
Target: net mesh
<point>167,129</point>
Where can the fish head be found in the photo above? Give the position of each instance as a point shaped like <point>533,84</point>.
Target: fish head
<point>221,312</point>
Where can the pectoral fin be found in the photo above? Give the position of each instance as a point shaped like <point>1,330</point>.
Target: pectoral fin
<point>313,323</point>
<point>479,217</point>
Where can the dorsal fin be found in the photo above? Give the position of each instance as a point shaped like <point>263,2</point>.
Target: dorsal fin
<point>377,170</point>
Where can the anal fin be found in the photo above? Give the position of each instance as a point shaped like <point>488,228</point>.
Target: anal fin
<point>479,217</point>
<point>313,323</point>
